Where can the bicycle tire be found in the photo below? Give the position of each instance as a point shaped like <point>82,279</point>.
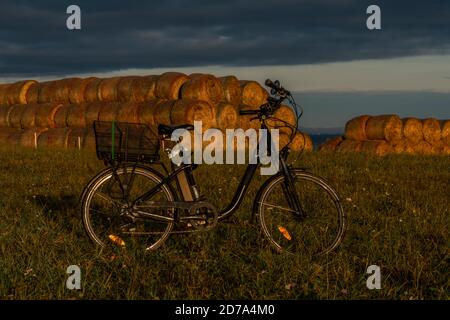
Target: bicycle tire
<point>285,239</point>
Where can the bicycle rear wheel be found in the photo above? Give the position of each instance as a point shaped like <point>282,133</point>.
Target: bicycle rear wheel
<point>321,229</point>
<point>107,213</point>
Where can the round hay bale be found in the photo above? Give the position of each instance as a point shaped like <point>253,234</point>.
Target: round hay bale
<point>75,137</point>
<point>349,145</point>
<point>169,84</point>
<point>283,119</point>
<point>437,147</point>
<point>91,93</point>
<point>107,89</point>
<point>412,129</point>
<point>15,115</point>
<point>5,111</point>
<point>92,112</point>
<point>204,87</point>
<point>143,88</point>
<point>45,114</point>
<point>128,112</point>
<point>5,133</point>
<point>384,127</point>
<point>445,131</point>
<point>89,140</point>
<point>431,130</point>
<point>377,147</point>
<point>186,111</point>
<point>226,116</point>
<point>32,95</point>
<point>63,88</point>
<point>161,111</point>
<point>76,115</point>
<point>302,142</point>
<point>253,94</point>
<point>17,92</point>
<point>423,147</point>
<point>399,146</point>
<point>55,138</point>
<point>47,91</point>
<point>355,129</point>
<point>231,89</point>
<point>3,89</point>
<point>30,137</point>
<point>124,89</point>
<point>247,121</point>
<point>146,112</point>
<point>410,147</point>
<point>108,111</point>
<point>77,89</point>
<point>28,119</point>
<point>446,149</point>
<point>61,116</point>
<point>331,144</point>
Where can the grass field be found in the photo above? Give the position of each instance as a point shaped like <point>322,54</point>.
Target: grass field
<point>398,218</point>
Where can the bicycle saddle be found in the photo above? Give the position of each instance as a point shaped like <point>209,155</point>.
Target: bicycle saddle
<point>168,129</point>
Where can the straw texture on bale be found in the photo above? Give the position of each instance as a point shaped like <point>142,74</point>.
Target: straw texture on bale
<point>75,137</point>
<point>124,89</point>
<point>28,118</point>
<point>56,137</point>
<point>384,127</point>
<point>231,89</point>
<point>30,137</point>
<point>15,115</point>
<point>92,112</point>
<point>46,91</point>
<point>253,94</point>
<point>204,87</point>
<point>431,130</point>
<point>399,146</point>
<point>349,145</point>
<point>128,112</point>
<point>5,110</point>
<point>445,131</point>
<point>143,88</point>
<point>76,115</point>
<point>412,129</point>
<point>283,119</point>
<point>226,116</point>
<point>63,88</point>
<point>446,149</point>
<point>16,93</point>
<point>187,111</point>
<point>146,112</point>
<point>107,89</point>
<point>6,132</point>
<point>169,84</point>
<point>424,147</point>
<point>331,144</point>
<point>247,121</point>
<point>89,140</point>
<point>32,95</point>
<point>162,110</point>
<point>77,89</point>
<point>300,142</point>
<point>91,90</point>
<point>3,89</point>
<point>61,116</point>
<point>378,147</point>
<point>108,111</point>
<point>45,114</point>
<point>355,129</point>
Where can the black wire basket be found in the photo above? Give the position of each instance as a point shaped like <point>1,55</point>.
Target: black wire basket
<point>125,142</point>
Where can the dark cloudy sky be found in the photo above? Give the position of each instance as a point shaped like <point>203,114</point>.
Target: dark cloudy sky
<point>312,45</point>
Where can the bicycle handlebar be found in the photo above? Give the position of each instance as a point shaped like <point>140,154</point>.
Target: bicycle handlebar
<point>248,112</point>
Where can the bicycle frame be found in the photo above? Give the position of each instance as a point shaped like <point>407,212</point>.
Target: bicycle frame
<point>244,183</point>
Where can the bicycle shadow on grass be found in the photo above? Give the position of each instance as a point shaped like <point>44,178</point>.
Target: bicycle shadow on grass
<point>57,206</point>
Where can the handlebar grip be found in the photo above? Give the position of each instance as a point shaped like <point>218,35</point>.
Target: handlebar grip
<point>269,83</point>
<point>248,112</point>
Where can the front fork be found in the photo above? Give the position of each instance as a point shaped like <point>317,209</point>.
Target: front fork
<point>289,189</point>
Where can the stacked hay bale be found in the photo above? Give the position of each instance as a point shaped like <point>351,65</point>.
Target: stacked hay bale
<point>385,134</point>
<point>61,112</point>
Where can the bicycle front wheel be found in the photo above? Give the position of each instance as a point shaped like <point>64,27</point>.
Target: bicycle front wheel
<point>317,230</point>
<point>109,218</point>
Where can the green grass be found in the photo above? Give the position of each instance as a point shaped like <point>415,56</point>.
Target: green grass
<point>398,218</point>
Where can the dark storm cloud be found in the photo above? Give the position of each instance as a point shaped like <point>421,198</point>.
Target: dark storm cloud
<point>146,34</point>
